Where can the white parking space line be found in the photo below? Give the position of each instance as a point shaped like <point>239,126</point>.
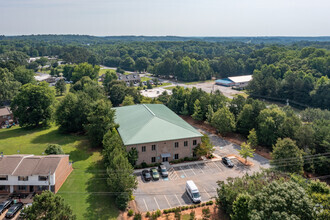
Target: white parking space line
<point>207,193</point>
<point>145,204</point>
<point>178,199</point>
<point>169,205</point>
<point>216,166</point>
<point>192,170</point>
<point>183,172</point>
<point>156,202</point>
<point>199,167</point>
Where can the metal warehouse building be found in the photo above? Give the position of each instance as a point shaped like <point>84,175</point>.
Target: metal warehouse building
<point>235,81</point>
<point>156,132</point>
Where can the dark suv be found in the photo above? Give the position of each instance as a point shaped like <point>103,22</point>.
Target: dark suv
<point>4,205</point>
<point>146,175</point>
<point>227,161</point>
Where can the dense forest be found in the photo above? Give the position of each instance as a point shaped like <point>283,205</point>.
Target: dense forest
<point>291,68</point>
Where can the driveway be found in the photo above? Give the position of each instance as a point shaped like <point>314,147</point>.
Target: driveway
<point>170,192</point>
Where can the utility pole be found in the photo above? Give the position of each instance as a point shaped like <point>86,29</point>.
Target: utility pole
<point>49,181</point>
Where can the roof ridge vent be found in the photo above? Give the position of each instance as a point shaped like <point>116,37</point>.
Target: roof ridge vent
<point>149,110</point>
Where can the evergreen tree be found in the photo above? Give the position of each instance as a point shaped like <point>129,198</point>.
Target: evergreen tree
<point>198,114</point>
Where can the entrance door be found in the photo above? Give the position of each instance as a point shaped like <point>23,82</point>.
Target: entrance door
<point>165,159</point>
<point>31,189</point>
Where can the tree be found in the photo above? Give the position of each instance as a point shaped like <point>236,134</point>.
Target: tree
<point>109,77</point>
<point>198,114</point>
<point>241,207</point>
<point>33,105</point>
<point>252,138</point>
<point>111,141</point>
<point>270,121</point>
<point>117,93</point>
<point>149,86</point>
<point>47,205</point>
<point>245,119</point>
<point>209,113</point>
<point>60,86</point>
<point>184,110</point>
<point>128,100</point>
<point>281,201</point>
<point>9,87</point>
<point>72,112</point>
<point>223,120</point>
<point>85,69</point>
<point>127,63</point>
<point>205,148</point>
<point>54,149</point>
<point>42,61</point>
<point>142,64</point>
<point>133,156</point>
<point>23,75</point>
<point>237,104</point>
<point>99,121</point>
<point>287,157</point>
<point>246,151</point>
<point>305,137</point>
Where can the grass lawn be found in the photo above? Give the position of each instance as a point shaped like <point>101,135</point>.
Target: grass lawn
<point>84,189</point>
<point>143,79</point>
<point>102,71</point>
<point>164,84</point>
<point>170,87</point>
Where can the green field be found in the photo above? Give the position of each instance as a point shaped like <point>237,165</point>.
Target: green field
<point>143,79</point>
<point>84,189</point>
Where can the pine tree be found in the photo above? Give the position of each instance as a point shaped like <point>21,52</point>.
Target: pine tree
<point>209,113</point>
<point>252,138</point>
<point>198,114</point>
<point>184,110</point>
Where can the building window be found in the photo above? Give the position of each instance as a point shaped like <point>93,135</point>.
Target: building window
<point>3,177</point>
<point>3,188</point>
<point>143,148</point>
<point>42,188</point>
<point>194,142</point>
<point>194,154</point>
<point>153,160</point>
<point>176,144</point>
<point>23,188</point>
<point>23,178</point>
<point>43,178</point>
<point>176,156</point>
<point>153,147</point>
<point>185,143</point>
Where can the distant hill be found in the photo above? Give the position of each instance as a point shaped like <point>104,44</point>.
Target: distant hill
<point>108,39</point>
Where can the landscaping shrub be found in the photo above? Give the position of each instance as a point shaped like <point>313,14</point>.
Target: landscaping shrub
<point>206,213</point>
<point>54,149</point>
<point>148,214</point>
<point>130,212</point>
<point>158,213</point>
<point>144,165</point>
<point>137,216</point>
<point>192,215</point>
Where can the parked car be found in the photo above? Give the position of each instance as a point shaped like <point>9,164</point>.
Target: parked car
<point>227,161</point>
<point>146,175</point>
<point>154,174</point>
<point>4,205</point>
<point>14,209</point>
<point>162,170</point>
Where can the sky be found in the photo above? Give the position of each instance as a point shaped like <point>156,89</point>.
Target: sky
<point>166,17</point>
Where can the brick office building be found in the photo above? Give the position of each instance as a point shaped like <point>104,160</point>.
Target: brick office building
<point>29,173</point>
<point>156,132</point>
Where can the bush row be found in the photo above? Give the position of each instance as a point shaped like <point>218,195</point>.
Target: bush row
<point>182,208</point>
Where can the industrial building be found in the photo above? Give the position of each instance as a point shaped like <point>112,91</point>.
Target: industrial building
<point>235,81</point>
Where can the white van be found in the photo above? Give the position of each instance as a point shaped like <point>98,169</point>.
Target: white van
<point>192,191</point>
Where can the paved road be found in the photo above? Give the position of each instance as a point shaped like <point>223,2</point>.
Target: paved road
<point>170,192</point>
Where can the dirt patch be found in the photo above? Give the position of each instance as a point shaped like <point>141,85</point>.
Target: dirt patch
<point>231,137</point>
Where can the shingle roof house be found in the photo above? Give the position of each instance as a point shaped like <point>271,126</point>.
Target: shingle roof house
<point>156,132</point>
<point>29,173</point>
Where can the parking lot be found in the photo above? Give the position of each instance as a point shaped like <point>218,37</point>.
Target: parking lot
<point>170,192</point>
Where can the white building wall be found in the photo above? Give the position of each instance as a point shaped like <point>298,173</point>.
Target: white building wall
<point>33,181</point>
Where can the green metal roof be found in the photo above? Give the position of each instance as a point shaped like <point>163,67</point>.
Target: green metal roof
<point>151,123</point>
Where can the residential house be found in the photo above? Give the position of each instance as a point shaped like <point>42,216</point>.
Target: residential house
<point>30,174</point>
<point>6,116</point>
